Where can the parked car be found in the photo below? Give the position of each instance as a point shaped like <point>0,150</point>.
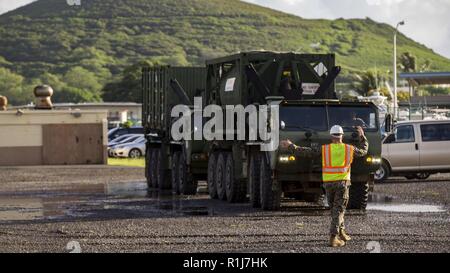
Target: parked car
<point>416,149</point>
<point>117,132</point>
<point>122,140</point>
<point>133,149</point>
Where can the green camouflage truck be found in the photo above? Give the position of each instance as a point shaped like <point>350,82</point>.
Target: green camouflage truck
<point>239,170</point>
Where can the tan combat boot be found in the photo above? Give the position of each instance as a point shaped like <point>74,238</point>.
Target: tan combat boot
<point>336,242</point>
<point>344,236</point>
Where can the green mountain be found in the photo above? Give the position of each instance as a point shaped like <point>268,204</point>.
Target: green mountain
<point>51,40</point>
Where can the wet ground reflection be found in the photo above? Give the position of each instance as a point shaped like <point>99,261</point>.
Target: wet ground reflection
<point>389,204</point>
<point>133,199</point>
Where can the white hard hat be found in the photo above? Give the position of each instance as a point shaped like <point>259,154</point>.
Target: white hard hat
<point>336,130</point>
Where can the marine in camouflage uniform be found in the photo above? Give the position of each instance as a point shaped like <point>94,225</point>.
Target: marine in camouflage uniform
<point>337,191</point>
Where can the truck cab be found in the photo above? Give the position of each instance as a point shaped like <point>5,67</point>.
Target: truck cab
<point>307,124</point>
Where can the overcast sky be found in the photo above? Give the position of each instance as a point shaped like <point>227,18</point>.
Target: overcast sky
<point>427,21</point>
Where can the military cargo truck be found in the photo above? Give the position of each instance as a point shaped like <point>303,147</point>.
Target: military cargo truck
<point>161,92</point>
<point>303,85</point>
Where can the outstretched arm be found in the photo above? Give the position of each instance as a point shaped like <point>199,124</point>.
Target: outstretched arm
<point>300,151</point>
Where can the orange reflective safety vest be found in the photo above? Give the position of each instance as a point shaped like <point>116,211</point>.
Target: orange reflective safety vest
<point>336,162</point>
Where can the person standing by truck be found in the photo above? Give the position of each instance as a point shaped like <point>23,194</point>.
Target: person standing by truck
<point>337,158</point>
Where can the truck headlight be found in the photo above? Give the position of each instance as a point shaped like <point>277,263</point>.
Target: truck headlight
<point>286,158</point>
<point>373,160</point>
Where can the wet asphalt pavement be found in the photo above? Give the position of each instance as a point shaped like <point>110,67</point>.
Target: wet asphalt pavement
<point>110,209</point>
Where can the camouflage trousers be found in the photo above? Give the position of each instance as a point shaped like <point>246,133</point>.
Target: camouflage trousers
<point>337,196</point>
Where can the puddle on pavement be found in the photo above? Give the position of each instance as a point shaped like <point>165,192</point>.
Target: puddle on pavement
<point>100,200</point>
<point>386,203</point>
<point>20,208</point>
<point>132,199</point>
<point>136,189</point>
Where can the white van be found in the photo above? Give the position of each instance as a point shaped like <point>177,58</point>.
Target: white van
<point>416,149</point>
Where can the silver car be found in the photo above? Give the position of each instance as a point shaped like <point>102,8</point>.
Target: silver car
<point>122,140</point>
<point>135,149</point>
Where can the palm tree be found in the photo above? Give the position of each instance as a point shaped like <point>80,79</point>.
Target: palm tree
<point>425,66</point>
<point>407,62</point>
<point>372,79</point>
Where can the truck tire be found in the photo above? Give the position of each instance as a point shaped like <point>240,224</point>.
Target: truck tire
<point>235,189</point>
<point>174,177</point>
<point>148,165</point>
<point>220,176</point>
<point>212,166</point>
<point>270,192</point>
<point>153,165</point>
<point>188,185</point>
<point>359,195</point>
<point>164,182</point>
<point>254,180</point>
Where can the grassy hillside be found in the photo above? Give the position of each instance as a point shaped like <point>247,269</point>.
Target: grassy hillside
<point>102,37</point>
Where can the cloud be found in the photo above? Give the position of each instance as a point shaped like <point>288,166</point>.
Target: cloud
<point>426,21</point>
<point>7,5</point>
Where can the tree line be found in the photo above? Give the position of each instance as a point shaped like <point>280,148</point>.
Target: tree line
<point>91,82</point>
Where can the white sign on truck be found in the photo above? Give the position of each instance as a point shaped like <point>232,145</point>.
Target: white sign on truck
<point>310,88</point>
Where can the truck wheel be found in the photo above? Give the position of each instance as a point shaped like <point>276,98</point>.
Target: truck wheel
<point>359,194</point>
<point>188,186</point>
<point>148,165</point>
<point>174,177</point>
<point>163,182</point>
<point>235,189</point>
<point>212,164</point>
<point>254,181</point>
<point>153,165</point>
<point>220,177</point>
<point>270,193</point>
<point>382,173</point>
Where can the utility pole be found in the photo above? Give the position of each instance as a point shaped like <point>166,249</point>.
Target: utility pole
<point>395,69</point>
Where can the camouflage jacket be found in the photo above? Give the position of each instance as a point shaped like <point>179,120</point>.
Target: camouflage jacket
<point>360,149</point>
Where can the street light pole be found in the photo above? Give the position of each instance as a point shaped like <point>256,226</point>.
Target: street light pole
<point>395,70</point>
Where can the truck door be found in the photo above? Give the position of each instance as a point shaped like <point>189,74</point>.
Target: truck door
<point>401,147</point>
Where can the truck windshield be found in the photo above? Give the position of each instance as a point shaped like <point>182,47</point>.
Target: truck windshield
<point>294,118</point>
<point>351,116</point>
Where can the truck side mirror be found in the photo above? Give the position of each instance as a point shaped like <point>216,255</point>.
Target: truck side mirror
<point>388,123</point>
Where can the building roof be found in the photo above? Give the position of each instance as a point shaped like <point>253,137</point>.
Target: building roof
<point>93,104</point>
<point>424,78</point>
<point>87,105</point>
<point>443,100</point>
<point>422,121</point>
